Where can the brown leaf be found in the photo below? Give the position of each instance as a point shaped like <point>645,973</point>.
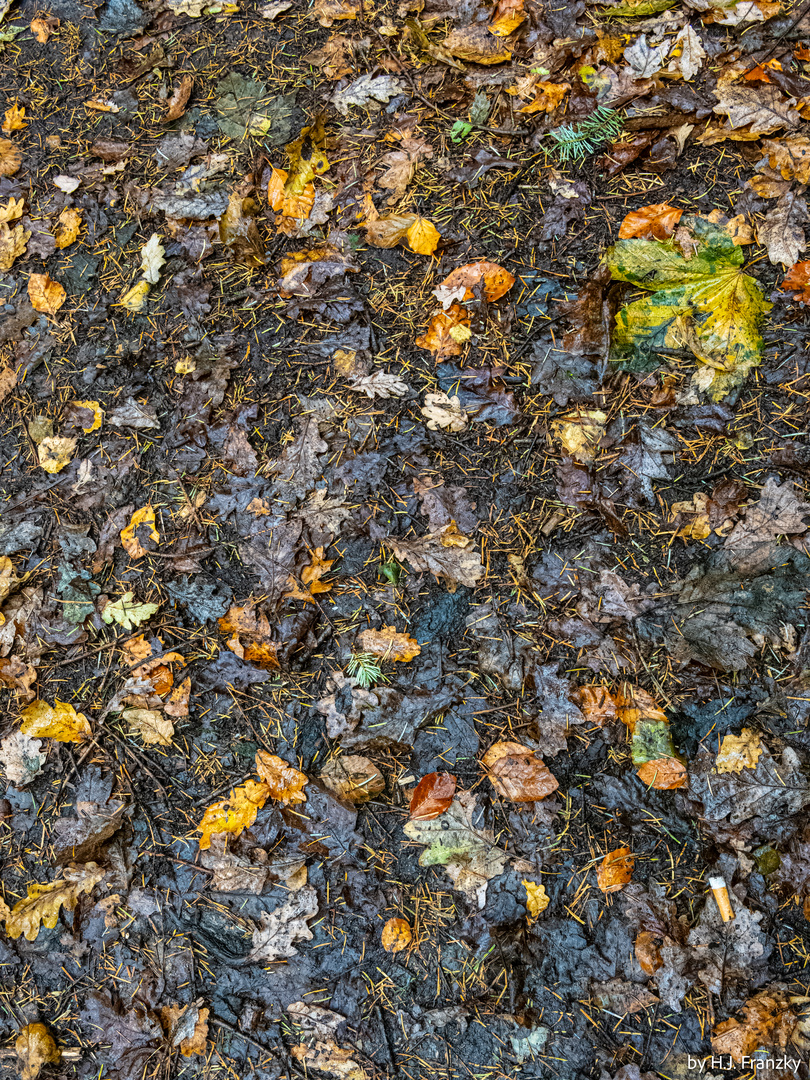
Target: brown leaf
<point>647,951</point>
<point>615,870</point>
<point>353,777</point>
<point>13,242</point>
<point>634,704</point>
<point>186,1027</point>
<point>67,227</point>
<point>654,222</point>
<point>797,281</point>
<point>141,529</point>
<point>311,577</point>
<point>10,158</point>
<point>497,281</point>
<point>329,11</point>
<point>35,1047</point>
<point>396,935</point>
<point>760,110</point>
<point>389,644</point>
<point>439,337</point>
<point>248,632</point>
<point>596,703</point>
<point>239,232</point>
<point>517,773</point>
<point>790,156</point>
<point>176,105</point>
<point>286,784</point>
<point>663,774</point>
<point>453,564</point>
<point>153,727</point>
<point>15,674</point>
<point>387,232</point>
<point>45,294</point>
<point>768,1023</point>
<point>432,796</point>
<point>476,44</point>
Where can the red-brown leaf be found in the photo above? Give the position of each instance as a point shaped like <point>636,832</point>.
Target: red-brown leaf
<point>432,796</point>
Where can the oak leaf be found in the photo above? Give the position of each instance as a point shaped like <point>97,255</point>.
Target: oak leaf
<point>517,773</point>
<point>768,1022</point>
<point>444,413</point>
<point>280,928</point>
<point>13,210</point>
<point>739,752</point>
<point>153,257</point>
<point>59,721</point>
<point>45,294</point>
<point>285,783</point>
<point>235,813</point>
<point>389,644</point>
<point>127,613</point>
<point>615,870</point>
<point>311,577</point>
<point>654,222</point>
<point>790,156</point>
<point>432,796</point>
<point>35,1047</point>
<point>42,905</point>
<point>396,935</point>
<point>248,632</point>
<point>547,97</point>
<point>454,565</point>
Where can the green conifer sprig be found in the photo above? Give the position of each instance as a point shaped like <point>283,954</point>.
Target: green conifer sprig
<point>576,141</point>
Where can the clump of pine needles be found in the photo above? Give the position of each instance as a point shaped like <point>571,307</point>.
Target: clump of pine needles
<point>364,669</point>
<point>576,141</point>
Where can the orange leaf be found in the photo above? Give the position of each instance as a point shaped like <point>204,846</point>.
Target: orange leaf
<point>10,157</point>
<point>45,294</point>
<point>423,236</point>
<point>248,632</point>
<point>286,783</point>
<point>596,703</point>
<point>396,935</point>
<point>634,704</point>
<point>517,773</point>
<point>233,814</point>
<point>438,337</point>
<point>654,222</point>
<point>176,105</point>
<point>311,575</point>
<point>663,774</point>
<point>14,120</point>
<point>389,644</point>
<point>548,97</point>
<point>141,527</point>
<point>615,870</point>
<point>291,206</point>
<point>647,952</point>
<point>497,281</point>
<point>507,16</point>
<point>798,278</point>
<point>432,796</point>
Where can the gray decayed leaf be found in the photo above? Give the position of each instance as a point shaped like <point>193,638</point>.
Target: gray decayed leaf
<point>283,926</point>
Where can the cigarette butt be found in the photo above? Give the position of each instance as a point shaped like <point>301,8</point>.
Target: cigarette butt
<point>720,893</point>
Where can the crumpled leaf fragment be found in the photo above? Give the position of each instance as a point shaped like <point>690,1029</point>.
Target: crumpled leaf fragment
<point>704,303</point>
<point>353,777</point>
<point>739,752</point>
<point>286,784</point>
<point>35,1047</point>
<point>389,644</point>
<point>59,721</point>
<point>444,413</point>
<point>517,773</point>
<point>580,433</point>
<point>444,335</point>
<point>280,928</point>
<point>141,527</point>
<point>43,903</point>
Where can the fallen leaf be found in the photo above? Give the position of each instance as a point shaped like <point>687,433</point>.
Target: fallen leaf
<point>14,209</point>
<point>396,935</point>
<point>13,242</point>
<point>353,777</point>
<point>439,338</point>
<point>615,870</point>
<point>152,258</point>
<point>517,773</point>
<point>761,110</point>
<point>367,88</point>
<point>42,28</point>
<point>444,413</point>
<point>176,105</point>
<point>689,53</point>
<point>127,613</point>
<point>507,17</point>
<point>239,232</point>
<point>580,433</point>
<point>10,158</point>
<point>14,120</point>
<point>645,60</point>
<point>249,636</point>
<point>59,721</point>
<point>423,237</point>
<point>797,281</point>
<point>476,44</point>
<point>654,222</point>
<point>134,299</point>
<point>432,796</point>
<point>329,11</point>
<point>454,564</point>
<point>42,904</point>
<point>68,184</point>
<point>234,814</point>
<point>496,281</point>
<point>45,294</point>
<point>55,453</point>
<point>380,384</point>
<point>280,928</point>
<point>596,703</point>
<point>286,784</point>
<point>537,899</point>
<point>790,155</point>
<point>67,228</point>
<point>311,577</point>
<point>769,1022</point>
<point>663,774</point>
<point>704,302</point>
<point>35,1047</point>
<point>389,644</point>
<point>96,410</point>
<point>647,950</point>
<point>141,527</point>
<point>153,727</point>
<point>21,758</point>
<point>548,97</point>
<point>16,675</point>
<point>739,752</point>
<point>186,1027</point>
<point>782,230</point>
<point>634,703</point>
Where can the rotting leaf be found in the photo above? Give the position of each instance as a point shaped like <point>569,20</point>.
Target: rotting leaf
<point>35,1047</point>
<point>517,773</point>
<point>141,527</point>
<point>615,870</point>
<point>453,562</point>
<point>153,727</point>
<point>43,903</point>
<point>461,283</point>
<point>55,452</point>
<point>279,929</point>
<point>432,796</point>
<point>389,644</point>
<point>442,336</point>
<point>353,777</point>
<point>739,752</point>
<point>21,758</point>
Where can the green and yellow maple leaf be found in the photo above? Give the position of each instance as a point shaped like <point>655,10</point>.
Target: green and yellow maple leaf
<point>704,303</point>
<point>127,613</point>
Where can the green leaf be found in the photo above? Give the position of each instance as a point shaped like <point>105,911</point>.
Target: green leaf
<point>651,740</point>
<point>704,303</point>
<point>460,130</point>
<point>244,108</point>
<point>126,613</point>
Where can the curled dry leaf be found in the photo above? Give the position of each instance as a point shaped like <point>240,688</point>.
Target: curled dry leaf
<point>496,280</point>
<point>432,796</point>
<point>35,1047</point>
<point>353,777</point>
<point>234,814</point>
<point>176,105</point>
<point>517,773</point>
<point>249,636</point>
<point>43,903</point>
<point>59,721</point>
<point>654,222</point>
<point>739,752</point>
<point>615,870</point>
<point>396,935</point>
<point>45,294</point>
<point>537,899</point>
<point>286,784</point>
<point>389,644</point>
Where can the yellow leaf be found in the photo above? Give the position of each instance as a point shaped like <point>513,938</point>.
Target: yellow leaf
<point>152,726</point>
<point>396,935</point>
<point>285,783</point>
<point>35,1047</point>
<point>389,644</point>
<point>10,158</point>
<point>580,432</point>
<point>45,294</point>
<point>126,613</point>
<point>507,17</point>
<point>41,906</point>
<point>307,159</point>
<point>55,453</point>
<point>13,211</point>
<point>739,752</point>
<point>235,813</point>
<point>60,722</point>
<point>13,243</point>
<point>537,899</point>
<point>547,97</point>
<point>98,414</point>
<point>311,576</point>
<point>14,120</point>
<point>67,227</point>
<point>296,206</point>
<point>142,520</point>
<point>423,236</point>
<point>134,298</point>
<point>388,231</point>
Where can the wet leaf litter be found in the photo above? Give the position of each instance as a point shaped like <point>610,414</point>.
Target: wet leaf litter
<point>404,543</point>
